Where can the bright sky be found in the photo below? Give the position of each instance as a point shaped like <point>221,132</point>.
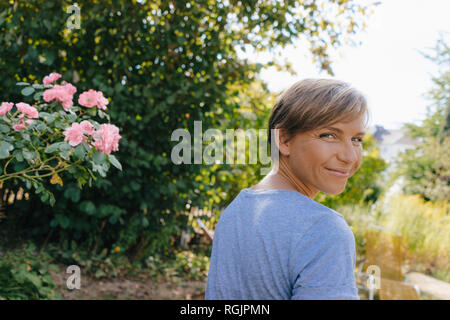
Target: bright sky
<point>387,67</point>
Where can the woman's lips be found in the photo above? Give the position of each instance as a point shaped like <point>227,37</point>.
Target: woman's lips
<point>339,172</point>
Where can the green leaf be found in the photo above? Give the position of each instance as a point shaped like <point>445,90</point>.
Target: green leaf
<point>64,155</point>
<point>6,138</point>
<point>38,86</point>
<point>99,273</point>
<point>26,136</point>
<point>72,117</point>
<point>18,155</point>
<point>48,25</point>
<point>54,267</point>
<point>171,99</point>
<point>37,95</point>
<point>53,223</point>
<point>22,84</point>
<point>52,148</point>
<point>5,148</point>
<point>80,151</point>
<point>101,114</point>
<point>39,189</point>
<point>73,193</point>
<point>135,186</point>
<point>86,146</point>
<point>4,128</point>
<point>27,91</point>
<point>115,162</point>
<point>44,197</point>
<point>28,155</point>
<point>49,118</point>
<point>60,124</point>
<point>99,168</point>
<point>81,182</point>
<point>88,207</point>
<point>34,279</point>
<point>113,219</point>
<point>99,157</point>
<point>65,146</point>
<point>41,126</point>
<point>64,222</point>
<point>49,57</point>
<point>52,199</point>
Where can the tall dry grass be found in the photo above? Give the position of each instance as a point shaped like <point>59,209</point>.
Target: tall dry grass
<point>424,226</point>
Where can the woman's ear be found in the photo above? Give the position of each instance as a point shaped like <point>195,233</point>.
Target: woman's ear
<point>281,140</point>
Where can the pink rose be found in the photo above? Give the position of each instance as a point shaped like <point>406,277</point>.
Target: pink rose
<point>19,126</point>
<point>88,99</point>
<point>92,98</point>
<point>87,127</point>
<point>74,134</point>
<point>27,110</point>
<point>5,108</point>
<point>63,94</point>
<point>102,102</point>
<point>52,77</point>
<point>106,139</point>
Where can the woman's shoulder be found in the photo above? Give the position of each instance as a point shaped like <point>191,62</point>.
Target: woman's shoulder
<point>290,200</point>
<point>278,207</point>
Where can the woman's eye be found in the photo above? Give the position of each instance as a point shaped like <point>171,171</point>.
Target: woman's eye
<point>327,135</point>
<point>359,140</point>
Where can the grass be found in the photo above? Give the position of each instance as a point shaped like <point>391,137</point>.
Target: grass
<point>424,227</point>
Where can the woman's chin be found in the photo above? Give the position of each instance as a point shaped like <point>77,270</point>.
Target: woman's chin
<point>335,190</point>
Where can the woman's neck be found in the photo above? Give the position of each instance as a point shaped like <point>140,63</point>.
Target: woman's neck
<point>281,177</point>
<point>285,172</point>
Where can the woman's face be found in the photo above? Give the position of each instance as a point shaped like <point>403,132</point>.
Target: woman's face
<point>323,159</point>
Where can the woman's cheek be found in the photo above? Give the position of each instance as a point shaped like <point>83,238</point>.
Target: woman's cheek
<point>359,162</point>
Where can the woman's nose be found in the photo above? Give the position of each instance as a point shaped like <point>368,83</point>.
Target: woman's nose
<point>348,153</point>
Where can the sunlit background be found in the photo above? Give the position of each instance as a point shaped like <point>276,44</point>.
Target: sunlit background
<point>387,66</point>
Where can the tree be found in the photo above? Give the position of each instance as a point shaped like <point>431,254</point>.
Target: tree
<point>164,64</point>
<point>426,168</point>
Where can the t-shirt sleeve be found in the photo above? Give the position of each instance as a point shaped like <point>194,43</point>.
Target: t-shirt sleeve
<point>324,262</point>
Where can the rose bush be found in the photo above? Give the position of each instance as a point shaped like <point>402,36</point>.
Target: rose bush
<point>53,135</point>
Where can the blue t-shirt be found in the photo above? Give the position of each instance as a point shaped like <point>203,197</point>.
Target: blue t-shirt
<point>279,245</point>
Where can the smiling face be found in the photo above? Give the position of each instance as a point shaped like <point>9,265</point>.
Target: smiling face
<point>324,159</point>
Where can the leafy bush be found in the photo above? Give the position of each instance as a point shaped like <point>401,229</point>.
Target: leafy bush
<point>185,265</point>
<point>24,275</point>
<point>426,168</point>
<point>425,227</point>
<point>51,140</point>
<point>103,265</point>
<point>359,218</point>
<point>163,64</point>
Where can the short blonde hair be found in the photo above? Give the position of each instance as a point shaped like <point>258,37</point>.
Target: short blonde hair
<point>314,103</point>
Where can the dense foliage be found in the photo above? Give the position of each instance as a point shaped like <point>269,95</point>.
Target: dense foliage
<point>426,168</point>
<point>40,141</point>
<point>163,64</point>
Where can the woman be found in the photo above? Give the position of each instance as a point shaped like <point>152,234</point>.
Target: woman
<point>274,241</point>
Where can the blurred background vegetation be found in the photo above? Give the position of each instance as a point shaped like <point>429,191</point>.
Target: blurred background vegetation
<point>162,65</point>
